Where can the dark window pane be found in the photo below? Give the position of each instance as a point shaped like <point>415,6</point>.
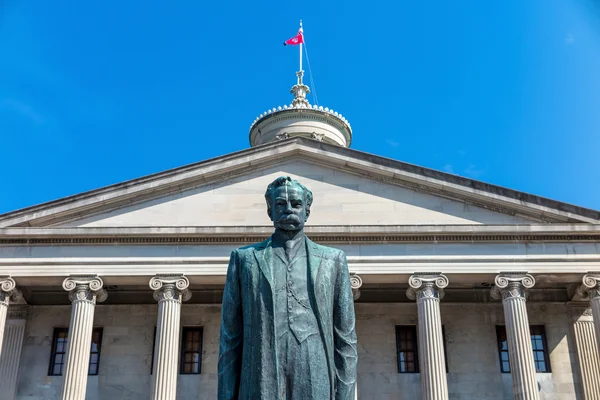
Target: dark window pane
<point>406,348</point>
<point>191,350</point>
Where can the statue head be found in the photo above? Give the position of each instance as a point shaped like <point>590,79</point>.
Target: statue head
<point>288,203</point>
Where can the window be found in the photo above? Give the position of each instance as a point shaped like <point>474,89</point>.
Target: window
<point>406,349</point>
<point>59,350</point>
<point>95,351</point>
<point>538,343</point>
<point>153,350</point>
<point>191,350</point>
<point>503,349</point>
<point>540,348</point>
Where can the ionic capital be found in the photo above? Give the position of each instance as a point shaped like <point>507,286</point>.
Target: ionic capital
<point>427,286</point>
<point>87,288</point>
<point>511,285</point>
<point>8,291</point>
<point>170,288</point>
<point>355,283</point>
<point>590,287</point>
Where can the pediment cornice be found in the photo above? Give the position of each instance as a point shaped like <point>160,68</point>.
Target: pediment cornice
<point>224,168</point>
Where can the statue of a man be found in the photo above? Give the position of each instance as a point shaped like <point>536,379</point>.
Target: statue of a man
<point>287,324</point>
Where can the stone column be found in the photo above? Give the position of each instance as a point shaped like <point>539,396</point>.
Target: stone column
<point>169,291</point>
<point>84,292</point>
<point>512,287</point>
<point>8,292</point>
<point>591,291</point>
<point>356,284</point>
<point>428,289</point>
<point>11,354</point>
<point>587,349</point>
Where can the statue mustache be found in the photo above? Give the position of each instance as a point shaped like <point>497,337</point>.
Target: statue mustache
<point>289,218</point>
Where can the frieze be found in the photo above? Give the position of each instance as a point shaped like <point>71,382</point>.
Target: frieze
<point>339,239</point>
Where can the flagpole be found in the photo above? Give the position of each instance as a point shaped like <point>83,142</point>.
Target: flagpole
<point>301,72</point>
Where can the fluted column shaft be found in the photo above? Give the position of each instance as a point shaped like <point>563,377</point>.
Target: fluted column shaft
<point>427,289</point>
<point>591,290</point>
<point>7,292</point>
<point>11,353</point>
<point>84,292</point>
<point>169,291</point>
<point>587,349</point>
<point>512,288</point>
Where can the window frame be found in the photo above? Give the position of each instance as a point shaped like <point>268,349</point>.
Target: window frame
<point>53,351</point>
<point>544,350</point>
<point>533,329</point>
<point>501,329</point>
<point>184,351</point>
<point>415,348</point>
<point>153,350</point>
<point>99,331</point>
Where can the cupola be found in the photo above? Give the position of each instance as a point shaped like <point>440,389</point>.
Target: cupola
<point>301,119</point>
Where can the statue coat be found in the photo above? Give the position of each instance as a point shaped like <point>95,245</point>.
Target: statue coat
<point>248,350</point>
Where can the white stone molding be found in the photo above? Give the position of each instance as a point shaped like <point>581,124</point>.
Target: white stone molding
<point>169,291</point>
<point>84,292</point>
<point>512,288</point>
<point>427,290</point>
<point>11,351</point>
<point>356,283</point>
<point>317,136</point>
<point>587,348</point>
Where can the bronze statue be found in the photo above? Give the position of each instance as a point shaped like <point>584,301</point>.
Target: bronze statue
<point>287,323</point>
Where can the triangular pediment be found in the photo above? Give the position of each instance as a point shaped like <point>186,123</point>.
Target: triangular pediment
<point>339,199</point>
<point>349,187</point>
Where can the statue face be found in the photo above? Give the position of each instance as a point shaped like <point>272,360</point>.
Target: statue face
<point>288,210</point>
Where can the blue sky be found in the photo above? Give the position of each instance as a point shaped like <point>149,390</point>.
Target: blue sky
<point>95,93</point>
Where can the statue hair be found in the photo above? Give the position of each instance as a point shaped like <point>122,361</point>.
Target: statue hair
<point>287,181</point>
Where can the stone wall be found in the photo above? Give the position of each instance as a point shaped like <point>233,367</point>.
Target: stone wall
<point>474,371</point>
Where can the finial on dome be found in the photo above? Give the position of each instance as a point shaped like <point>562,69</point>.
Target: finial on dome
<point>300,90</point>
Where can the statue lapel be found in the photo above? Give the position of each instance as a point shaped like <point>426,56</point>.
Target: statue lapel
<point>314,263</point>
<point>264,258</point>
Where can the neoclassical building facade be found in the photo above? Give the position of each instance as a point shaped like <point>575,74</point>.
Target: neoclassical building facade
<point>464,290</point>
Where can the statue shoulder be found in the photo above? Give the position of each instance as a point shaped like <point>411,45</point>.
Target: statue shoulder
<point>251,247</point>
<point>328,252</point>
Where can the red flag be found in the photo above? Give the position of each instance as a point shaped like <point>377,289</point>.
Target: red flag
<point>295,40</point>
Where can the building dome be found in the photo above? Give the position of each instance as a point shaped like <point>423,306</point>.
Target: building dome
<point>301,119</point>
